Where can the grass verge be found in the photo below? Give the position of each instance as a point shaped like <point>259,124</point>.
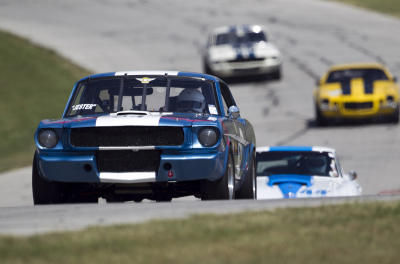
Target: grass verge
<point>391,7</point>
<point>35,84</point>
<point>350,233</point>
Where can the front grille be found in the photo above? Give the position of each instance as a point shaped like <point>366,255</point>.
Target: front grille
<point>245,64</point>
<point>247,59</point>
<point>358,106</point>
<point>126,136</point>
<point>128,160</point>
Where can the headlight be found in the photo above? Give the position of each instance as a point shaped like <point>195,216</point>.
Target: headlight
<point>208,136</point>
<point>48,138</point>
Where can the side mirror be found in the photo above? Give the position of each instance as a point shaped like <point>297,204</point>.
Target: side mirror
<point>317,82</point>
<point>395,79</point>
<point>352,175</point>
<point>233,112</point>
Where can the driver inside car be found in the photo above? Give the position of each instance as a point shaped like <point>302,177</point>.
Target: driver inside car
<point>316,165</point>
<point>191,100</point>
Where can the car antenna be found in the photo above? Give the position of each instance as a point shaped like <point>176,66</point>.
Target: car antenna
<point>88,79</point>
<point>125,77</point>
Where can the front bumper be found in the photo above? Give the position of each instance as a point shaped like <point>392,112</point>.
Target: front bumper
<point>238,68</point>
<point>339,111</point>
<point>173,167</point>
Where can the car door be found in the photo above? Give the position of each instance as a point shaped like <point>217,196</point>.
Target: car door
<point>236,132</point>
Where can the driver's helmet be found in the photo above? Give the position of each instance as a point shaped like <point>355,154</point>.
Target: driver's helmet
<point>191,100</point>
<point>316,165</point>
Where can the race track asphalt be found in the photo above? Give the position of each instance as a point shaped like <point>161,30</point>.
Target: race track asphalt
<point>170,35</point>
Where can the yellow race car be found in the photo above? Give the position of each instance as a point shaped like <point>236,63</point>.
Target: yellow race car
<point>356,91</point>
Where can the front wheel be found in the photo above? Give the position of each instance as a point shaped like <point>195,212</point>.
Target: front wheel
<point>395,117</point>
<point>320,119</point>
<point>45,192</point>
<point>224,188</point>
<point>249,189</point>
<point>276,75</point>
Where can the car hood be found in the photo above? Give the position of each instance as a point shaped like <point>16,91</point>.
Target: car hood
<point>357,88</point>
<point>249,50</point>
<point>132,119</point>
<point>292,186</point>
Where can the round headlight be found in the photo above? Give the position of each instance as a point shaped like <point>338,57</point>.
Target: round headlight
<point>208,136</point>
<point>48,138</point>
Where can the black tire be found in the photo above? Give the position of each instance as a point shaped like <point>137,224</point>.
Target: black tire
<point>112,198</point>
<point>249,189</point>
<point>276,75</point>
<point>45,192</point>
<point>395,117</point>
<point>224,188</point>
<point>164,199</point>
<point>320,120</point>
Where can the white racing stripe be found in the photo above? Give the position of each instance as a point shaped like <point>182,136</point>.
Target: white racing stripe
<point>174,73</point>
<point>128,120</point>
<point>127,177</point>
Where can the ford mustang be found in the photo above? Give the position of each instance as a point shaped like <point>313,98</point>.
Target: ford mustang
<point>300,172</point>
<point>129,136</point>
<point>356,91</point>
<point>242,50</point>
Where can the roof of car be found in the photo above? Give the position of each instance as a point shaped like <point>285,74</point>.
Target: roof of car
<point>236,28</point>
<point>294,148</point>
<point>151,73</point>
<point>360,65</point>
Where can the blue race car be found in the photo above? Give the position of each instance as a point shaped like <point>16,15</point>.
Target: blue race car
<point>129,136</point>
<point>301,172</point>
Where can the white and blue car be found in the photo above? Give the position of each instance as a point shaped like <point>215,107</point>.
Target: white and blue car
<point>242,50</point>
<point>302,172</point>
<point>134,135</point>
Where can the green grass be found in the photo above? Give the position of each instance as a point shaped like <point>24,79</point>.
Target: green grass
<point>35,84</point>
<point>391,7</point>
<point>350,233</point>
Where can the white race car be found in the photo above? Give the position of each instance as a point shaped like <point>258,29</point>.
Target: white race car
<point>302,172</point>
<point>242,50</point>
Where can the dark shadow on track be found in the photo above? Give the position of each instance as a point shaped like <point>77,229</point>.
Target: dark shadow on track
<point>348,123</point>
<point>312,124</point>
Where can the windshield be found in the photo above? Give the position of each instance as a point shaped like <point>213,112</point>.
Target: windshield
<point>347,75</point>
<point>141,93</point>
<point>296,162</point>
<point>234,38</point>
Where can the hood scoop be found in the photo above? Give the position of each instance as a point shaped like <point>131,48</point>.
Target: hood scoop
<point>290,178</point>
<point>140,113</point>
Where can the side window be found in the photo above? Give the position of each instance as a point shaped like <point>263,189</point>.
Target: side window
<point>227,99</point>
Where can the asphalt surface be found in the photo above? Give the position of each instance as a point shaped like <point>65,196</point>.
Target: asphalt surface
<point>31,220</point>
<point>105,35</point>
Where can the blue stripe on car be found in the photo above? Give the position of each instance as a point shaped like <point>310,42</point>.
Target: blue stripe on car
<point>345,84</point>
<point>290,148</point>
<point>290,178</point>
<point>368,85</point>
<point>289,190</point>
<point>238,50</point>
